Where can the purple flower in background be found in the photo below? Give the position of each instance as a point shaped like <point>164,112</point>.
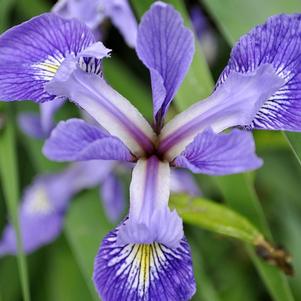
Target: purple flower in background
<point>45,202</point>
<point>94,12</point>
<point>147,256</point>
<point>205,33</point>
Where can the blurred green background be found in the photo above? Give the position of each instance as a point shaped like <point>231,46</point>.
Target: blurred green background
<point>226,269</point>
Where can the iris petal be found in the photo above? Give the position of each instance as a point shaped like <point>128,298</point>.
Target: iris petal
<point>276,42</point>
<point>31,53</point>
<point>146,272</point>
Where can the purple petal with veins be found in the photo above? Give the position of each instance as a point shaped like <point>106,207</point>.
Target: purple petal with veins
<point>166,48</point>
<point>76,140</point>
<point>220,154</point>
<point>236,102</point>
<point>31,53</point>
<point>277,43</point>
<point>111,110</point>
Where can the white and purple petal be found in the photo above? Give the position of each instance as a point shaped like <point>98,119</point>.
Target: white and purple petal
<point>30,124</point>
<point>143,272</point>
<point>150,219</point>
<point>110,109</point>
<point>31,54</point>
<point>234,103</point>
<point>220,154</point>
<point>166,48</point>
<point>76,140</point>
<point>277,43</point>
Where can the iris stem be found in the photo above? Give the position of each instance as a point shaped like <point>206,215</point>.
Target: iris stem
<point>10,183</point>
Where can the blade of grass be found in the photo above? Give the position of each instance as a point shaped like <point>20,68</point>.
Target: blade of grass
<point>9,175</point>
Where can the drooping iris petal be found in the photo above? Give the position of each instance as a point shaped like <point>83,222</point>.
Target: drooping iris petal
<point>30,124</point>
<point>236,102</point>
<point>31,53</point>
<point>143,272</point>
<point>166,47</point>
<point>122,17</point>
<point>111,110</point>
<point>183,182</point>
<point>112,195</point>
<point>150,220</point>
<point>278,43</point>
<point>76,140</point>
<point>220,154</point>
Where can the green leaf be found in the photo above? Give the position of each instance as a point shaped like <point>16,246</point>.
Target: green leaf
<point>236,17</point>
<point>215,217</point>
<point>198,82</point>
<point>9,175</point>
<point>85,227</point>
<point>6,6</point>
<point>61,265</point>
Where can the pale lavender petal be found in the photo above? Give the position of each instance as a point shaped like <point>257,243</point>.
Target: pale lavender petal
<point>278,43</point>
<point>75,140</point>
<point>36,232</point>
<point>206,35</point>
<point>220,154</point>
<point>121,15</point>
<point>30,124</point>
<point>150,220</point>
<point>236,102</point>
<point>40,214</point>
<point>182,181</point>
<point>31,53</point>
<point>84,175</point>
<point>143,272</point>
<point>47,111</point>
<point>88,11</point>
<point>112,195</point>
<point>115,113</point>
<point>166,47</point>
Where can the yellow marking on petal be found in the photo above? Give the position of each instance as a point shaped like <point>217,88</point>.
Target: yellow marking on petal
<point>50,67</point>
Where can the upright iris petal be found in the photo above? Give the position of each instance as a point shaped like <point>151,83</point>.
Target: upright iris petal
<point>276,43</point>
<point>166,48</point>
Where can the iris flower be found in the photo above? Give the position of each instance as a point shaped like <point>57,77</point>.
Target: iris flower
<point>45,203</point>
<point>95,12</point>
<point>147,256</point>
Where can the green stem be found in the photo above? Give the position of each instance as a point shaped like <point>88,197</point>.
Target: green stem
<point>9,174</point>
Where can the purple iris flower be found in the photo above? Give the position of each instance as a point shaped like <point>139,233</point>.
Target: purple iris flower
<point>94,12</point>
<point>45,202</point>
<point>147,256</point>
